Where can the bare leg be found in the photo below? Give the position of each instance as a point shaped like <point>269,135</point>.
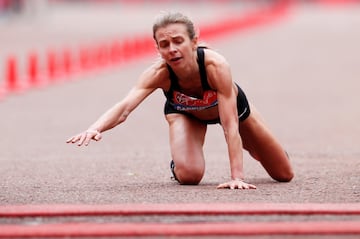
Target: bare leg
<point>263,146</point>
<point>186,143</point>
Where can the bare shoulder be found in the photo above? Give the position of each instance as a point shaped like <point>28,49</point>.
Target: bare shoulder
<point>156,76</point>
<point>214,59</point>
<point>217,69</point>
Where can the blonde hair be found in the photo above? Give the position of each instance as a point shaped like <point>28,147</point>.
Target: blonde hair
<point>168,18</point>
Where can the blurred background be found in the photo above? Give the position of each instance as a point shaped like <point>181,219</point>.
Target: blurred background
<point>38,36</point>
<point>41,39</point>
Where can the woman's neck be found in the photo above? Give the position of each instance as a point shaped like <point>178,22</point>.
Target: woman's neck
<point>189,71</point>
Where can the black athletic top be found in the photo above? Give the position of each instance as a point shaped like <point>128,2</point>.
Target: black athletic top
<point>183,102</point>
<point>177,102</point>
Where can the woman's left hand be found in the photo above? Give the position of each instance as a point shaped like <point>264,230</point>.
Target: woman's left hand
<point>236,184</point>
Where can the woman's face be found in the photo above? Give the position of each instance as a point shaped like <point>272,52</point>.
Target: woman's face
<point>175,45</point>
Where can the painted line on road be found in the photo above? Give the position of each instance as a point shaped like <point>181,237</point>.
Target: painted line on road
<point>181,229</point>
<point>179,209</point>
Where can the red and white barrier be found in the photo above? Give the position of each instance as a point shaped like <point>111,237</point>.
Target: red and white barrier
<point>65,64</point>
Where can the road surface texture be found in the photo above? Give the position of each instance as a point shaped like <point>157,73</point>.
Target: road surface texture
<point>301,72</point>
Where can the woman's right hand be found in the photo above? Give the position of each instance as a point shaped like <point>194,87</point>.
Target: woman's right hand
<point>85,137</point>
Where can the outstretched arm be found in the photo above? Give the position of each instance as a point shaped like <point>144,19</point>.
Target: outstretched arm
<point>148,82</point>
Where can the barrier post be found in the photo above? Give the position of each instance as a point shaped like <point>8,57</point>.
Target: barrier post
<point>33,69</point>
<point>127,49</point>
<point>85,59</point>
<point>115,52</point>
<point>101,58</point>
<point>11,75</point>
<point>51,65</point>
<point>67,62</point>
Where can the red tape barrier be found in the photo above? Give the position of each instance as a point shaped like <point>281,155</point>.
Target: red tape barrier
<point>180,209</point>
<point>345,227</point>
<point>180,229</point>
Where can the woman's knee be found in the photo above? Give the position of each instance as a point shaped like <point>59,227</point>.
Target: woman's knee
<point>285,176</point>
<point>189,174</point>
<point>279,168</point>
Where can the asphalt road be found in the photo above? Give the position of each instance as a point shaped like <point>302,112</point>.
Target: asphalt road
<point>301,72</point>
